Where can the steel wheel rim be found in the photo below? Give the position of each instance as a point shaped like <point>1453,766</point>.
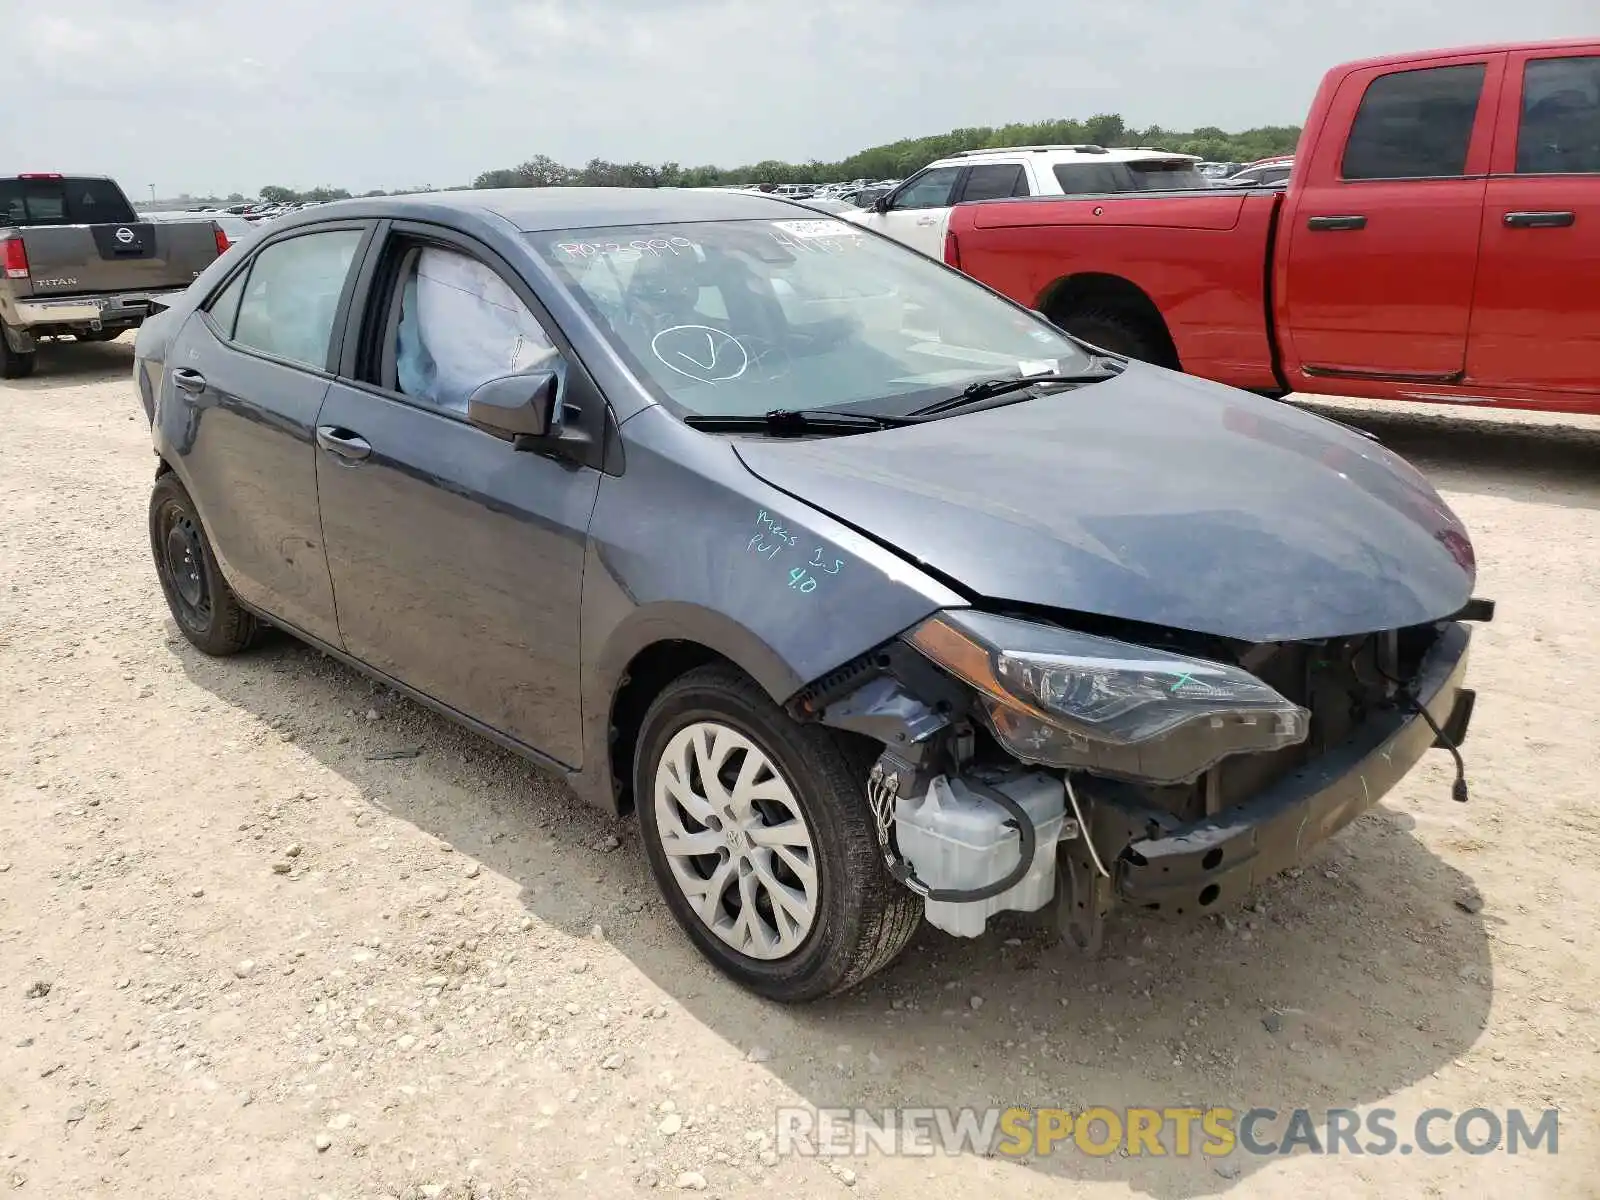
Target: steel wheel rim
<point>185,565</point>
<point>736,841</point>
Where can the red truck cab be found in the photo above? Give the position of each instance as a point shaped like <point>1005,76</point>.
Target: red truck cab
<point>1438,240</point>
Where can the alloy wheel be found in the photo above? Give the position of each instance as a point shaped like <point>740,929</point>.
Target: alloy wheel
<point>736,840</point>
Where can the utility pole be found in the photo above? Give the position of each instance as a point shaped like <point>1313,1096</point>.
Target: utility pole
<point>152,193</point>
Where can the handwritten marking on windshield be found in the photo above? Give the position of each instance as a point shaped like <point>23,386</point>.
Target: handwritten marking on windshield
<point>631,252</point>
<point>701,353</point>
<point>1186,677</point>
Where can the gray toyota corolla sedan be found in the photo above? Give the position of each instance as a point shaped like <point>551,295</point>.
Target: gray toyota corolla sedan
<point>874,596</point>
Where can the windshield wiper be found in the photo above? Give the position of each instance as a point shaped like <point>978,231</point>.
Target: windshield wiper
<point>796,420</point>
<point>989,389</point>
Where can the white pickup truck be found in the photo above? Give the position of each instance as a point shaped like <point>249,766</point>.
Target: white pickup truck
<point>917,211</point>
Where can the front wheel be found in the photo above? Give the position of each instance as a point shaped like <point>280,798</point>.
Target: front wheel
<point>760,837</point>
<point>201,602</point>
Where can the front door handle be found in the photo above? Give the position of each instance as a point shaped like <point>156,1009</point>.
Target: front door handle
<point>1354,221</point>
<point>188,379</point>
<point>340,441</point>
<point>1540,220</point>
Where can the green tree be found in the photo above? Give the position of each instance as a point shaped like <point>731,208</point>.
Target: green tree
<point>274,194</point>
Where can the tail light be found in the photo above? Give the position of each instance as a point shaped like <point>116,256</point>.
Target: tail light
<point>40,175</point>
<point>952,249</point>
<point>222,240</point>
<point>15,256</point>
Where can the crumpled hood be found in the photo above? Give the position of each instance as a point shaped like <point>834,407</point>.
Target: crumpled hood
<point>1153,497</point>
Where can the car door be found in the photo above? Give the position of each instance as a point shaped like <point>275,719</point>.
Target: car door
<point>1382,230</point>
<point>1536,310</point>
<point>245,378</point>
<point>457,559</point>
<point>917,210</point>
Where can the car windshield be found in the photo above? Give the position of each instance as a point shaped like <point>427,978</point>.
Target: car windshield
<point>743,317</point>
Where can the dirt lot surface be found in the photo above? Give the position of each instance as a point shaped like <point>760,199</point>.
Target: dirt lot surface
<point>280,964</point>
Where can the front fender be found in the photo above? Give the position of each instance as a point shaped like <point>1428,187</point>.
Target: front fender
<point>689,546</point>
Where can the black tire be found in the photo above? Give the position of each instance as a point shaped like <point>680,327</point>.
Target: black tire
<point>99,335</point>
<point>201,602</point>
<point>14,365</point>
<point>863,917</point>
<point>1127,336</point>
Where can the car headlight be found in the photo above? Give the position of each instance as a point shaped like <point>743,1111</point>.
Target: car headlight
<point>1072,700</point>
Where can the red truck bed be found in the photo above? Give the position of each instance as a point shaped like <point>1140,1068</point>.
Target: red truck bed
<point>1198,256</point>
<point>1438,240</point>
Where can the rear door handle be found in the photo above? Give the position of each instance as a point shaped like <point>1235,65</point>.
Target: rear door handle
<point>1354,221</point>
<point>188,379</point>
<point>1540,220</point>
<point>340,441</point>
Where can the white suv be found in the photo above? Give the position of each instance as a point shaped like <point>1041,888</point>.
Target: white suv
<point>917,211</point>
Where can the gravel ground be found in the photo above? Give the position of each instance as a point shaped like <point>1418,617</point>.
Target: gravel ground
<point>246,954</point>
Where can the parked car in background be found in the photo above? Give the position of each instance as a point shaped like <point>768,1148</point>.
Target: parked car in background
<point>1438,240</point>
<point>790,571</point>
<point>77,260</point>
<point>236,229</point>
<point>1217,171</point>
<point>1268,174</point>
<point>917,211</point>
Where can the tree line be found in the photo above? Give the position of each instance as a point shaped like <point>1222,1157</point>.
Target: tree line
<point>895,160</point>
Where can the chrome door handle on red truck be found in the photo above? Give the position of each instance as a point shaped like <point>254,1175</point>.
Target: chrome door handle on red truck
<point>1540,220</point>
<point>1354,221</point>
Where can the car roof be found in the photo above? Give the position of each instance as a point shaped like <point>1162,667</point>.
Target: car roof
<point>1424,57</point>
<point>533,210</point>
<point>1062,154</point>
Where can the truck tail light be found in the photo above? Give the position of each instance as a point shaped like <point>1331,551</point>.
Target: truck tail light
<point>15,257</point>
<point>222,240</point>
<point>952,249</point>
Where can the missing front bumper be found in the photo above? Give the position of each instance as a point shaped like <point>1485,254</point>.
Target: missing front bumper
<point>1216,861</point>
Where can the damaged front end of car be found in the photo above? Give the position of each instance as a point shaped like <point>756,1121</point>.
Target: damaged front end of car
<point>1028,761</point>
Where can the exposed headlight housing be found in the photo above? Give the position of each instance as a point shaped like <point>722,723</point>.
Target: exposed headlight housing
<point>1065,699</point>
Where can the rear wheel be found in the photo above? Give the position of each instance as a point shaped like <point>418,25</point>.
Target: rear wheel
<point>1127,336</point>
<point>761,840</point>
<point>202,603</point>
<point>14,364</point>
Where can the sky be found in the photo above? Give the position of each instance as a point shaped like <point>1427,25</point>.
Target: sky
<point>214,96</point>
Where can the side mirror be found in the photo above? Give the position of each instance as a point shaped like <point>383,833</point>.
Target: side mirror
<point>881,204</point>
<point>514,406</point>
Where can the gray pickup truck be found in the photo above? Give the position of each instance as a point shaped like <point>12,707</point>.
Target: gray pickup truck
<point>77,260</point>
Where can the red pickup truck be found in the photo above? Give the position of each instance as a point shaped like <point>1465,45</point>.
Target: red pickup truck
<point>1438,240</point>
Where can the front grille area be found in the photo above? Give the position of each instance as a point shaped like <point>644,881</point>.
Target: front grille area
<point>1341,681</point>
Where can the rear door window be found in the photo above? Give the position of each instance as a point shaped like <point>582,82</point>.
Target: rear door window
<point>995,181</point>
<point>1560,131</point>
<point>224,309</point>
<point>1415,124</point>
<point>290,301</point>
<point>1145,175</point>
<point>63,202</point>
